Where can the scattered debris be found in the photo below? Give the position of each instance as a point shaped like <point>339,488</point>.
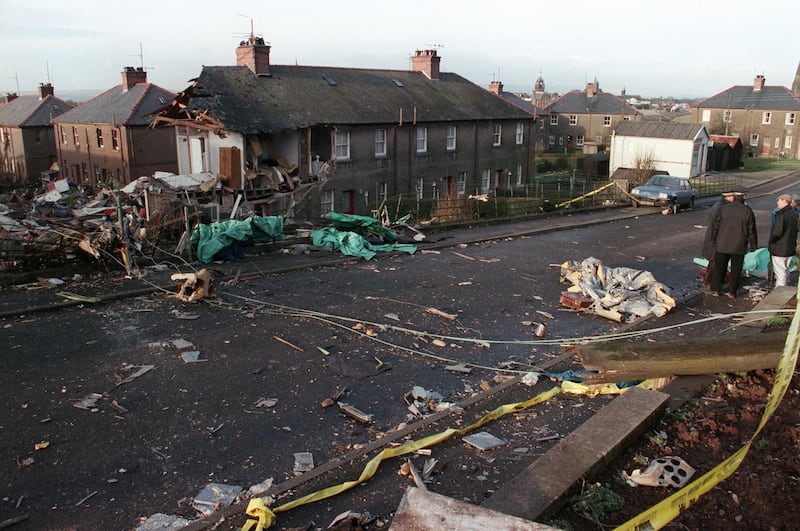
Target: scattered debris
<point>191,356</point>
<point>140,370</point>
<point>290,345</point>
<point>483,440</point>
<point>160,522</point>
<point>214,496</point>
<point>665,472</point>
<point>530,379</point>
<point>259,488</point>
<point>357,414</point>
<point>88,402</point>
<point>460,368</point>
<point>195,287</point>
<point>351,520</point>
<point>303,462</point>
<point>440,313</point>
<point>81,502</point>
<point>266,402</point>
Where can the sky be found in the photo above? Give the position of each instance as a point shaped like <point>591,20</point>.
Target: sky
<point>678,48</point>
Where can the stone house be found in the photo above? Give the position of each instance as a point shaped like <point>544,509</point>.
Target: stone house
<point>586,116</point>
<point>765,117</point>
<point>108,139</point>
<point>27,141</point>
<point>361,136</point>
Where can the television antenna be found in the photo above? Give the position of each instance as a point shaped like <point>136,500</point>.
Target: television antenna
<point>434,46</point>
<point>140,55</point>
<point>249,36</point>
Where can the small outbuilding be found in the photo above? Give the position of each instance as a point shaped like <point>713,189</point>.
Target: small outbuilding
<point>678,149</point>
<point>725,153</point>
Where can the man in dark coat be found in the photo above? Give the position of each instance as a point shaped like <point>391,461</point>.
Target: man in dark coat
<point>733,235</point>
<point>783,239</point>
<point>708,247</point>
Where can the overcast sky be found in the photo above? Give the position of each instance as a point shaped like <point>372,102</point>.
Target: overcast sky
<point>676,48</point>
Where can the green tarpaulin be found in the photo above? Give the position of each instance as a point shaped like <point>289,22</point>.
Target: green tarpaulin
<point>211,239</point>
<point>351,244</point>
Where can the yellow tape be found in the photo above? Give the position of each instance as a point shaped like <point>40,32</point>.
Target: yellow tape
<point>667,510</point>
<point>264,517</point>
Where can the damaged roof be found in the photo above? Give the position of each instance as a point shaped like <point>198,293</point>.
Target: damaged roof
<point>577,102</point>
<point>671,130</point>
<point>295,97</point>
<point>32,111</point>
<point>118,107</point>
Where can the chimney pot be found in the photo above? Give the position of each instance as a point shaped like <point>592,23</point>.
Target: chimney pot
<point>758,82</point>
<point>254,54</point>
<point>10,96</point>
<point>427,62</point>
<point>132,76</point>
<point>496,87</point>
<point>45,89</point>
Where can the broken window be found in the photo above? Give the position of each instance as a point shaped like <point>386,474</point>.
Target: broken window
<point>114,140</point>
<point>766,118</point>
<point>99,137</point>
<point>342,145</point>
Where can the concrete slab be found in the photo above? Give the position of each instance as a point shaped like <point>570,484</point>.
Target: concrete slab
<point>775,300</point>
<point>541,489</point>
<point>422,510</point>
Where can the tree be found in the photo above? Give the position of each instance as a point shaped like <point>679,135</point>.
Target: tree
<point>644,166</point>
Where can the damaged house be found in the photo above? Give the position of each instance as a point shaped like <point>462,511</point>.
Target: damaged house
<point>27,141</point>
<point>302,141</point>
<point>107,140</point>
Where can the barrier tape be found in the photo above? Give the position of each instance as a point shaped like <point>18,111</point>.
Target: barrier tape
<point>265,517</point>
<point>670,508</point>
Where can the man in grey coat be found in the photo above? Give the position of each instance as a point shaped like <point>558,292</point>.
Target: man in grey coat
<point>733,235</point>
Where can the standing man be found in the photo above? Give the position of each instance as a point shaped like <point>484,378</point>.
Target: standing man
<point>734,234</point>
<point>708,243</point>
<point>783,239</point>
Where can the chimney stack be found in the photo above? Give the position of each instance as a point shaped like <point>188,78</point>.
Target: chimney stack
<point>758,82</point>
<point>10,96</point>
<point>496,87</point>
<point>254,54</point>
<point>427,62</point>
<point>132,76</point>
<point>45,89</point>
<point>592,89</point>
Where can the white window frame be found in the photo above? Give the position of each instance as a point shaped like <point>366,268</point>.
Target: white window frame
<point>607,120</point>
<point>63,134</point>
<point>461,185</point>
<point>626,118</point>
<point>451,138</point>
<point>520,133</point>
<point>326,201</point>
<point>777,142</point>
<point>497,135</point>
<point>754,139</point>
<point>787,142</point>
<point>422,139</point>
<point>420,187</point>
<point>791,118</point>
<point>114,140</point>
<point>551,140</point>
<point>101,143</point>
<point>486,180</point>
<point>726,116</point>
<point>560,140</point>
<point>573,119</point>
<point>553,118</point>
<point>519,174</point>
<point>766,117</point>
<point>380,142</point>
<point>706,115</point>
<point>342,145</point>
<point>578,140</point>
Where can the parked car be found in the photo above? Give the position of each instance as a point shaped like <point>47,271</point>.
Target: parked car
<point>665,191</point>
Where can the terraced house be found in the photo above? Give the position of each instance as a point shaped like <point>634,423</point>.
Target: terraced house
<point>27,142</point>
<point>361,135</point>
<point>765,117</point>
<point>107,140</point>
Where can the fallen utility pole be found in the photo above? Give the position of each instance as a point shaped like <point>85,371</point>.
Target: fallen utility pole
<point>619,361</point>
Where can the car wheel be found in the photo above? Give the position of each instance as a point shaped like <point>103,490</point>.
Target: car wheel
<point>675,207</point>
<point>691,203</point>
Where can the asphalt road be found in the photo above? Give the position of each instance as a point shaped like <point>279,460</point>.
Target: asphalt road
<point>151,443</point>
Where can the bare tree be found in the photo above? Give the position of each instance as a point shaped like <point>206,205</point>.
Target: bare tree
<point>644,166</point>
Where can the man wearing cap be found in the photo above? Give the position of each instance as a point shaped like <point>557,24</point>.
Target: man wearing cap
<point>733,234</point>
<point>783,239</point>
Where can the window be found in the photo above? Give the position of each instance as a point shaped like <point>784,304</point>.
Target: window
<point>420,187</point>
<point>37,136</point>
<point>551,140</point>
<point>486,175</point>
<point>573,119</point>
<point>520,133</point>
<point>422,139</point>
<point>451,138</point>
<point>787,142</point>
<point>62,134</point>
<point>726,116</point>
<point>579,140</point>
<point>606,121</point>
<point>342,148</point>
<point>75,138</point>
<point>561,141</point>
<point>462,183</point>
<point>791,118</point>
<point>99,133</point>
<point>766,118</point>
<point>497,137</point>
<point>626,118</point>
<point>114,140</point>
<point>519,174</point>
<point>706,115</point>
<point>380,142</point>
<point>553,119</point>
<point>541,123</point>
<point>777,143</point>
<point>754,139</point>
<point>383,191</point>
<point>326,201</point>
